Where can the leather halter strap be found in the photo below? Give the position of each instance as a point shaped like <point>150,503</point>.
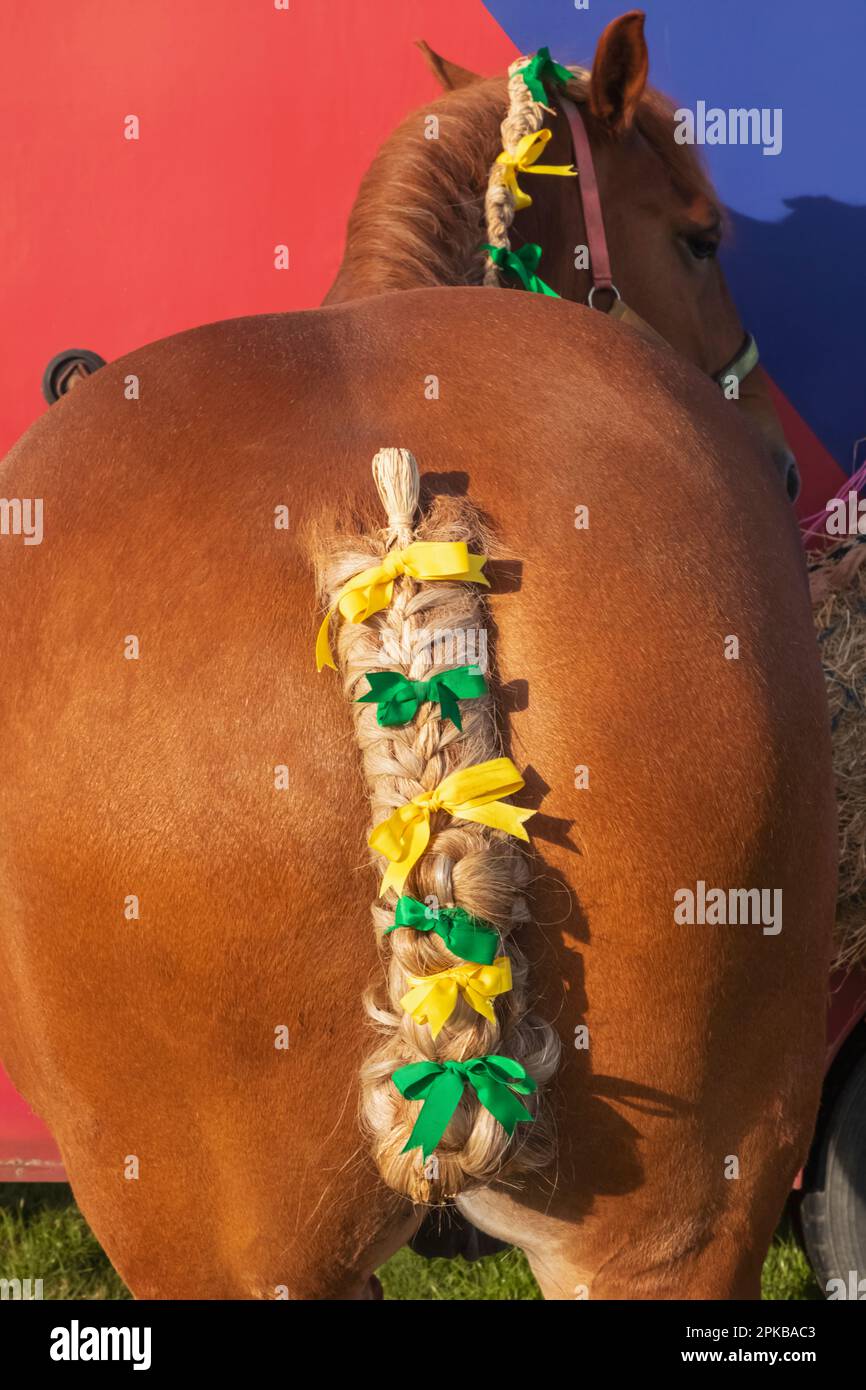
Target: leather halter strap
<point>740,364</point>
<point>599,258</point>
<point>744,360</point>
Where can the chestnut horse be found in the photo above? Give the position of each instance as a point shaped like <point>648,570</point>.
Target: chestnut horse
<point>168,910</point>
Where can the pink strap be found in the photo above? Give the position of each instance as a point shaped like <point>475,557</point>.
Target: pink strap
<point>598,254</point>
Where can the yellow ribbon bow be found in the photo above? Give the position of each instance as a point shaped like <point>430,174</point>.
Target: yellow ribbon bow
<point>433,998</point>
<point>522,161</point>
<point>372,589</point>
<point>471,793</point>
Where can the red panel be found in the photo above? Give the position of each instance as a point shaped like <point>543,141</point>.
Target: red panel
<point>256,126</point>
<point>27,1151</point>
<point>847,1008</point>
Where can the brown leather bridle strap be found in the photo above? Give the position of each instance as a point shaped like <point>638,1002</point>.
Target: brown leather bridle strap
<point>745,359</point>
<point>599,258</point>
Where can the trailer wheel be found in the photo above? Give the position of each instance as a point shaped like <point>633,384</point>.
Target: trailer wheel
<point>68,367</point>
<point>833,1206</point>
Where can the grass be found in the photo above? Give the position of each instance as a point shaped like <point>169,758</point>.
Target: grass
<point>787,1273</point>
<point>507,1277</point>
<point>43,1235</point>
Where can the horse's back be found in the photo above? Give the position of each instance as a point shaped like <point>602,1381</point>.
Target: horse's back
<point>161,778</point>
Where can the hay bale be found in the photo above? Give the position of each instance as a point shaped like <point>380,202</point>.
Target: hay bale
<point>837,577</point>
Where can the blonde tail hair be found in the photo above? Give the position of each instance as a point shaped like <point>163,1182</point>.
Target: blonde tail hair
<point>466,864</point>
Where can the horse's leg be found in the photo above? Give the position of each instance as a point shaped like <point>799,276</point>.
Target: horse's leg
<point>209,1162</point>
<point>629,1251</point>
<point>237,1228</point>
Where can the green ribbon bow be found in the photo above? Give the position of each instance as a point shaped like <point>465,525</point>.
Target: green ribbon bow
<point>441,1085</point>
<point>523,264</point>
<point>462,933</point>
<point>542,66</point>
<point>398,697</point>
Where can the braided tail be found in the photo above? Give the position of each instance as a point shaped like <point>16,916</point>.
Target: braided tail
<point>463,904</point>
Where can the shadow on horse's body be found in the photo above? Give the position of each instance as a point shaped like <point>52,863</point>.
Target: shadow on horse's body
<point>210,1163</point>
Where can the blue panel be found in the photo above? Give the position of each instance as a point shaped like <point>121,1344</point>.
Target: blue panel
<point>800,216</point>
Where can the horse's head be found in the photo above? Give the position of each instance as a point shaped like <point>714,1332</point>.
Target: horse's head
<point>662,221</point>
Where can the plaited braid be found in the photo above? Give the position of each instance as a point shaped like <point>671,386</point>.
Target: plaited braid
<point>525,116</point>
<point>465,864</point>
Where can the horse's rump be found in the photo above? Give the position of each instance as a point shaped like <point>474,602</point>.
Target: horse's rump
<point>156,778</point>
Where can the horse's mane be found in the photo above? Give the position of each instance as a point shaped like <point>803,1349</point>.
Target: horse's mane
<point>418,219</point>
<point>419,215</point>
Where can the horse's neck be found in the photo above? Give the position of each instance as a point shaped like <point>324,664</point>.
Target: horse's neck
<point>418,220</point>
<point>371,269</point>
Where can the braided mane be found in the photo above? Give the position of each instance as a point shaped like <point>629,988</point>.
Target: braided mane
<point>423,208</point>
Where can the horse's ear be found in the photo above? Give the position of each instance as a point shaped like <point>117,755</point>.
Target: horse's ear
<point>449,75</point>
<point>619,71</point>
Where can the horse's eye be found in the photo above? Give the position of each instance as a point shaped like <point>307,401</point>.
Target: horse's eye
<point>702,248</point>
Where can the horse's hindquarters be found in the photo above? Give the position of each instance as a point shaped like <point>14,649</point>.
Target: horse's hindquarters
<point>185,904</point>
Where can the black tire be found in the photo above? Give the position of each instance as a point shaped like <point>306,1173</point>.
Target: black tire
<point>833,1206</point>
